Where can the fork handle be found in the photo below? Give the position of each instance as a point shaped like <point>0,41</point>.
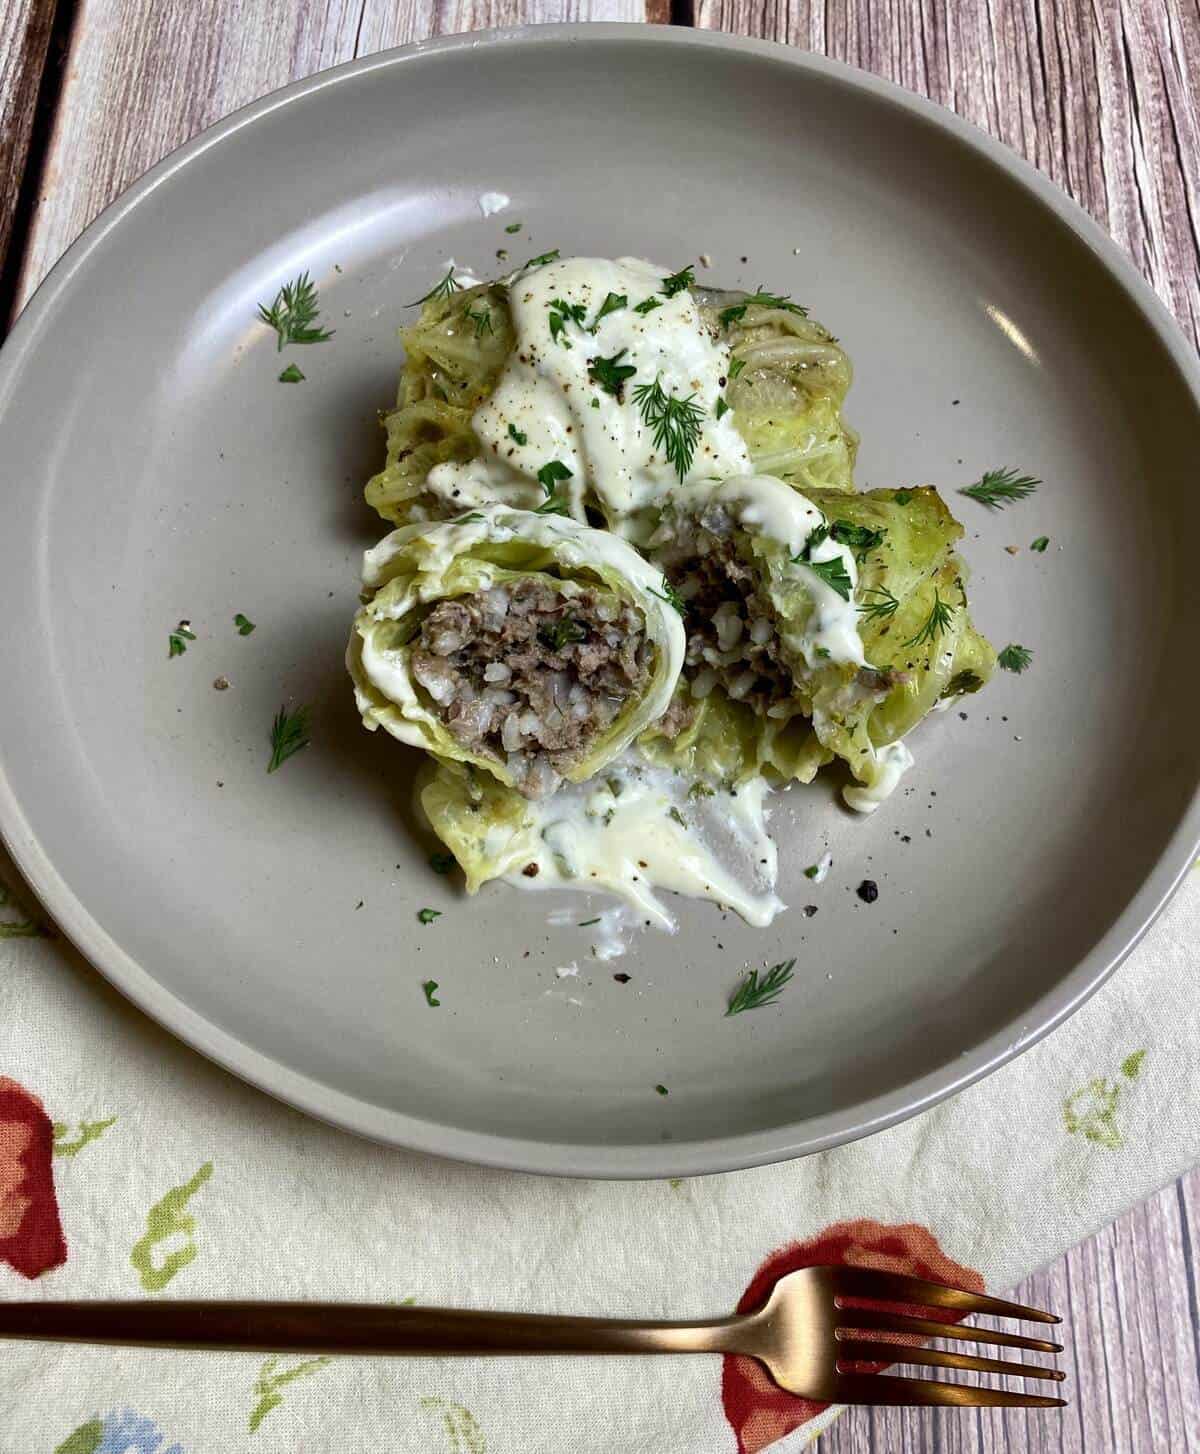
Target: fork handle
<point>355,1328</point>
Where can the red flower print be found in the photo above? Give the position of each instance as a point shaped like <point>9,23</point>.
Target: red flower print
<point>758,1410</point>
<point>31,1238</point>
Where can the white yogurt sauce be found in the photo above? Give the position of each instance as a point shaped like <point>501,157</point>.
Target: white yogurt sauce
<point>546,397</point>
<point>894,761</point>
<point>634,829</point>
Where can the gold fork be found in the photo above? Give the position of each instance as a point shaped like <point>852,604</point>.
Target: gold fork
<point>803,1334</point>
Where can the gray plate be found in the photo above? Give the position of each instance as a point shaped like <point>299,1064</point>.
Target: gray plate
<point>154,469</point>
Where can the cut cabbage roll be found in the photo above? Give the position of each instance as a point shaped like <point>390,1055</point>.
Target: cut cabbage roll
<point>524,644</point>
<point>818,626</point>
<point>581,363</point>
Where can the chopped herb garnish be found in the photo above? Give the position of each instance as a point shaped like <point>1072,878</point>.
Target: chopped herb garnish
<point>902,497</point>
<point>1015,658</point>
<point>449,284</point>
<point>753,993</point>
<point>935,623</point>
<point>514,227</point>
<point>427,916</point>
<point>294,312</point>
<point>676,423</point>
<point>550,474</point>
<point>963,684</point>
<point>998,488</point>
<point>595,403</point>
<point>244,624</point>
<point>611,374</point>
<point>291,375</point>
<point>662,1090</point>
<point>560,312</point>
<point>857,537</point>
<point>885,606</point>
<point>560,633</point>
<point>177,640</point>
<point>822,653</point>
<point>721,409</point>
<point>676,816</point>
<point>442,862</point>
<point>518,436</point>
<point>701,790</point>
<point>760,299</point>
<point>648,306</point>
<point>1040,544</point>
<point>481,318</point>
<point>586,923</point>
<point>612,304</point>
<point>670,595</point>
<point>540,261</point>
<point>556,505</point>
<point>677,282</point>
<point>812,870</point>
<point>429,986</point>
<point>832,572</point>
<point>736,366</point>
<point>289,733</point>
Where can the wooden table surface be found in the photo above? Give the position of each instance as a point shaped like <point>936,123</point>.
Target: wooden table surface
<point>1102,95</point>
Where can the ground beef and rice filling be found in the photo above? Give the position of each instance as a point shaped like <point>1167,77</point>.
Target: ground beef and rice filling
<point>531,673</point>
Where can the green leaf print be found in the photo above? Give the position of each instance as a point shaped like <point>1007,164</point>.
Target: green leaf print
<point>1091,1111</point>
<point>463,1433</point>
<point>85,1440</point>
<point>89,1131</point>
<point>268,1384</point>
<point>164,1219</point>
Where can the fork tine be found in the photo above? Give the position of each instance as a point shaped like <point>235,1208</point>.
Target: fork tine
<point>893,1287</point>
<point>880,1389</point>
<point>886,1322</point>
<point>866,1351</point>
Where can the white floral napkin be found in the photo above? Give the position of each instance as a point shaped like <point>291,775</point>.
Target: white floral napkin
<point>130,1167</point>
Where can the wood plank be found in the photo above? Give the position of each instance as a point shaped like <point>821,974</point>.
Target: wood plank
<point>223,54</point>
<point>1101,95</point>
<point>25,27</point>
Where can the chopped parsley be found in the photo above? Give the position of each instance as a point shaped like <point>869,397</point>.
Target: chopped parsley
<point>289,734</point>
<point>753,993</point>
<point>481,318</point>
<point>701,790</point>
<point>736,365</point>
<point>902,497</point>
<point>612,304</point>
<point>832,572</point>
<point>662,1090</point>
<point>812,870</point>
<point>556,505</point>
<point>857,537</point>
<point>293,314</point>
<point>676,423</point>
<point>514,227</point>
<point>560,633</point>
<point>518,436</point>
<point>1015,658</point>
<point>963,684</point>
<point>935,623</point>
<point>442,862</point>
<point>1040,544</point>
<point>648,306</point>
<point>291,375</point>
<point>722,408</point>
<point>449,284</point>
<point>560,312</point>
<point>244,624</point>
<point>611,374</point>
<point>670,595</point>
<point>540,261</point>
<point>998,488</point>
<point>677,817</point>
<point>427,916</point>
<point>429,987</point>
<point>550,474</point>
<point>677,282</point>
<point>879,610</point>
<point>177,640</point>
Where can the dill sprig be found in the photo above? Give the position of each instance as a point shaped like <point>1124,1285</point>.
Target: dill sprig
<point>481,318</point>
<point>676,283</point>
<point>761,299</point>
<point>676,423</point>
<point>449,284</point>
<point>935,623</point>
<point>670,595</point>
<point>879,610</point>
<point>289,733</point>
<point>1015,658</point>
<point>753,993</point>
<point>294,312</point>
<point>998,488</point>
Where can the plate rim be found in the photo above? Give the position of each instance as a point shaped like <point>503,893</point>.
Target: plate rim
<point>715,1154</point>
